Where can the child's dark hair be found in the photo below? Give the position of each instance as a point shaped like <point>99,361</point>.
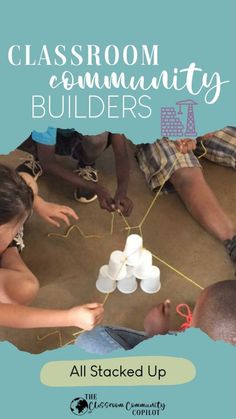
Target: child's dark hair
<point>16,197</point>
<point>215,311</point>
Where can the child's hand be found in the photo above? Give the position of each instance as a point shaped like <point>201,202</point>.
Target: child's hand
<point>49,211</point>
<point>206,136</point>
<point>123,203</point>
<point>105,200</point>
<point>87,316</point>
<point>157,321</point>
<point>185,145</point>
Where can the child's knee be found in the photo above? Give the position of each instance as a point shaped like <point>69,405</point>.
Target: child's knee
<point>29,290</point>
<point>24,290</point>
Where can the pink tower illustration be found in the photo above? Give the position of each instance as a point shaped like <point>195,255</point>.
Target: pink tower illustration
<point>172,125</point>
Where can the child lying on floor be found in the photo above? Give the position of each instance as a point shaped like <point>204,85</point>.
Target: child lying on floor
<point>214,313</point>
<point>18,285</point>
<point>160,161</point>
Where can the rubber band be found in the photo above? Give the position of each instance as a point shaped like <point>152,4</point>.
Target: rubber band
<point>186,315</point>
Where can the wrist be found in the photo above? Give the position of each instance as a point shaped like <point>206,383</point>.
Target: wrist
<point>71,317</point>
<point>122,188</point>
<point>53,318</point>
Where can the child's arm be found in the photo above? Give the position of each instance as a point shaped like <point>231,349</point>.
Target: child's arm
<point>48,210</point>
<point>122,202</point>
<point>186,145</point>
<point>18,316</point>
<point>46,155</point>
<point>49,163</point>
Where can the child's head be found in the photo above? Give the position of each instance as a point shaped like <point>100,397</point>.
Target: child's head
<point>16,201</point>
<point>215,311</point>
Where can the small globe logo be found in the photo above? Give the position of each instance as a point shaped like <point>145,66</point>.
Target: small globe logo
<point>79,406</point>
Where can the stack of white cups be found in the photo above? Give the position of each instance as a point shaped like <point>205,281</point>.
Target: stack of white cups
<point>114,271</point>
<point>125,267</point>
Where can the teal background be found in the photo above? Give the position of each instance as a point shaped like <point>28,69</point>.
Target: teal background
<point>210,395</point>
<point>201,32</point>
<point>186,31</point>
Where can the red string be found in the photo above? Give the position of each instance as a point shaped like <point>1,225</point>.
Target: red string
<point>186,314</point>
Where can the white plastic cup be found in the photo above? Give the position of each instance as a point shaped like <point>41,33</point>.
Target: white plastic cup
<point>104,282</point>
<point>153,283</point>
<point>127,285</point>
<point>133,249</point>
<point>130,270</point>
<point>117,265</point>
<point>144,269</point>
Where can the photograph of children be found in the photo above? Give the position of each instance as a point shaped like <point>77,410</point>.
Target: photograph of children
<point>68,201</point>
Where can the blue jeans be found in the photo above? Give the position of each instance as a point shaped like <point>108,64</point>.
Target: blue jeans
<point>103,340</point>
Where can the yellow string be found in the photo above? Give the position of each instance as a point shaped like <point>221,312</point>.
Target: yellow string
<point>112,223</point>
<point>204,150</point>
<point>177,271</point>
<point>106,298</point>
<point>56,332</point>
<point>157,194</point>
<point>85,236</point>
<point>70,342</point>
<point>73,227</point>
